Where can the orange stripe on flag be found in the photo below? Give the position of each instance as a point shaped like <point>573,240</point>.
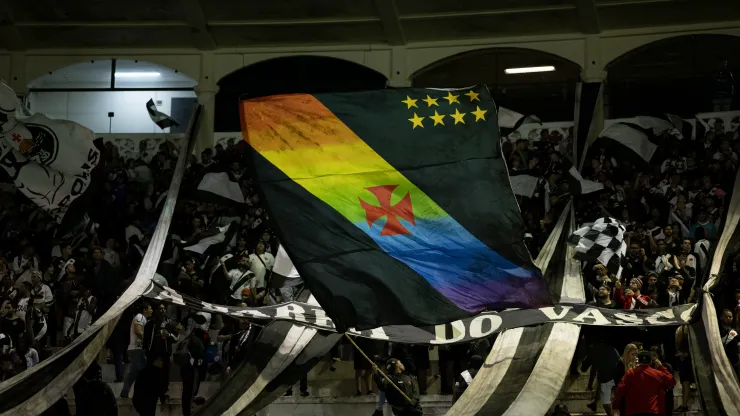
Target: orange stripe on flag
<point>291,122</point>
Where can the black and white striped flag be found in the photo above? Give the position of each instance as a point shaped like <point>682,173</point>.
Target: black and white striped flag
<point>601,242</point>
<point>161,119</point>
<point>212,242</point>
<point>509,120</point>
<point>220,188</point>
<point>636,140</point>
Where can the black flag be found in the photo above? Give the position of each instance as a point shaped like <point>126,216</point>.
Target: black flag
<point>161,119</point>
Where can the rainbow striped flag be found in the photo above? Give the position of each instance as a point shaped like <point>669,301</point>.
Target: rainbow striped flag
<point>394,205</point>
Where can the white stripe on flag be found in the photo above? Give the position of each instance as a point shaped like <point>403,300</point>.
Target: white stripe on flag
<point>586,186</point>
<point>298,337</point>
<point>201,246</point>
<point>524,185</point>
<point>284,265</point>
<point>631,138</point>
<point>218,183</point>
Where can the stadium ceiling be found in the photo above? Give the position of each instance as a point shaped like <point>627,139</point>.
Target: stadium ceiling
<point>211,24</point>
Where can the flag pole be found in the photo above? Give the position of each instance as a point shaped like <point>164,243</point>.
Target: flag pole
<point>390,382</point>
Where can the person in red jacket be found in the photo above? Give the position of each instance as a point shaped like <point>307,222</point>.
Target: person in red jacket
<point>631,298</point>
<point>643,387</point>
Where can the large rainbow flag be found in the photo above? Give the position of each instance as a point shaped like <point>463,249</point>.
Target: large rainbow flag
<point>395,205</point>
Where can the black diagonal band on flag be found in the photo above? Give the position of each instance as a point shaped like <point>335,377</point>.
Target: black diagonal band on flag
<point>159,118</point>
<point>30,386</point>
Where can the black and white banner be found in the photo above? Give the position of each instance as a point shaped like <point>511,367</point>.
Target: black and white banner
<point>220,188</point>
<point>479,326</point>
<point>159,118</point>
<point>49,161</point>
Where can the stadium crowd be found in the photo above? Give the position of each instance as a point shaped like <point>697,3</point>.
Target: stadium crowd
<point>53,287</point>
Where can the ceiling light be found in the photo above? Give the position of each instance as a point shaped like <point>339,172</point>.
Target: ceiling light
<point>529,69</point>
<point>137,74</point>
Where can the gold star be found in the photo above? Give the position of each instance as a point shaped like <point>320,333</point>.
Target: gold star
<point>458,116</point>
<point>410,102</point>
<point>479,114</point>
<point>417,121</point>
<point>451,98</point>
<point>473,96</point>
<point>437,118</point>
<point>431,101</point>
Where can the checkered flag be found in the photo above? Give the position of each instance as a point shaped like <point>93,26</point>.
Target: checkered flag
<point>161,119</point>
<point>603,242</point>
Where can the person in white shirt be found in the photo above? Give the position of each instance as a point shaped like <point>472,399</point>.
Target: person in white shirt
<point>136,354</point>
<point>239,277</point>
<point>110,254</point>
<point>85,311</point>
<point>23,264</point>
<point>261,264</point>
<point>41,294</point>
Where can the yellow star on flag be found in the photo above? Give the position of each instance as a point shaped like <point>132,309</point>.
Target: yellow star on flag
<point>416,120</point>
<point>473,96</point>
<point>437,118</point>
<point>431,101</point>
<point>410,102</point>
<point>451,98</point>
<point>479,114</point>
<point>458,116</point>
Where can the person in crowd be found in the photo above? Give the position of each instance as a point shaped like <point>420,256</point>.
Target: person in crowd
<point>644,386</point>
<point>730,339</point>
<point>603,299</point>
<point>466,377</point>
<point>86,308</point>
<point>158,342</point>
<point>604,360</point>
<point>632,297</point>
<point>7,289</point>
<point>136,356</point>
<point>25,351</point>
<point>406,401</point>
<point>24,264</point>
<point>11,325</point>
<point>93,396</point>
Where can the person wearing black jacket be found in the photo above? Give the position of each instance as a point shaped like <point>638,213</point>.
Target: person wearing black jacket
<point>466,377</point>
<point>157,343</point>
<point>603,359</point>
<point>93,396</point>
<point>406,383</point>
<point>603,299</point>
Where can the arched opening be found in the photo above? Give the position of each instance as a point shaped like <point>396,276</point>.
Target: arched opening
<point>292,74</point>
<point>110,95</point>
<point>678,75</point>
<point>549,95</point>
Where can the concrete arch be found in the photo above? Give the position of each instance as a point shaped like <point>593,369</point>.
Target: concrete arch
<point>549,95</point>
<point>290,74</point>
<point>36,66</point>
<point>568,50</point>
<point>547,58</point>
<point>376,60</point>
<point>616,48</point>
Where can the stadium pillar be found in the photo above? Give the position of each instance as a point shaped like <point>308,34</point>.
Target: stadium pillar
<point>206,91</point>
<point>400,77</point>
<point>17,80</point>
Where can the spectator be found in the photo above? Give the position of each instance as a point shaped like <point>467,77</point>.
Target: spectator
<point>644,386</point>
<point>11,324</point>
<point>402,406</point>
<point>136,355</point>
<point>94,397</point>
<point>466,377</point>
<point>25,352</point>
<point>604,360</point>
